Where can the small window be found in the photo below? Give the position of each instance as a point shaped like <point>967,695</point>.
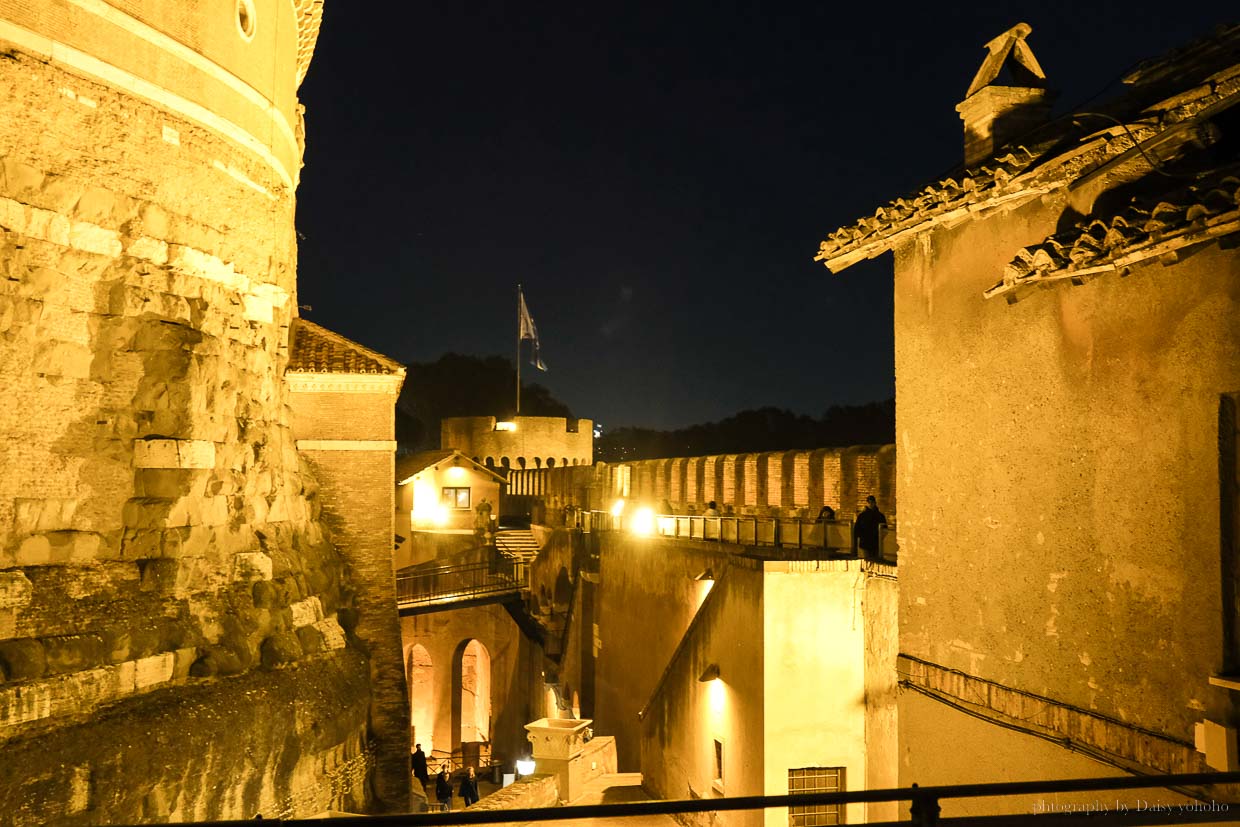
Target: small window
<point>456,497</point>
<point>816,780</point>
<point>245,18</point>
<point>718,780</point>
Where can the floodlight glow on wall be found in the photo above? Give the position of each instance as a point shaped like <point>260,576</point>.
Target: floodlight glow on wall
<point>440,515</point>
<point>505,426</point>
<point>456,472</point>
<point>643,521</point>
<point>617,508</point>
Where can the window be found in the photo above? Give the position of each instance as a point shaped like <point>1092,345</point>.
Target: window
<point>456,497</point>
<point>816,780</point>
<point>717,784</point>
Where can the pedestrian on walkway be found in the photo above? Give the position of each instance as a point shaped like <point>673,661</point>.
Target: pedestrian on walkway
<point>469,787</point>
<point>443,789</point>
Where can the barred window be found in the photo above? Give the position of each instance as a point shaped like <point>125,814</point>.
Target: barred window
<point>816,780</point>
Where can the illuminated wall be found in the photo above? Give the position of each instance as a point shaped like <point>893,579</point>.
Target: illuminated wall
<point>173,612</point>
<point>534,441</point>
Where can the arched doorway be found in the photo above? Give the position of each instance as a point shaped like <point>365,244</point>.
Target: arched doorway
<point>420,676</point>
<point>471,697</point>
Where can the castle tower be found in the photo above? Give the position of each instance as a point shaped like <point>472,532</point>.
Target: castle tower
<point>175,626</point>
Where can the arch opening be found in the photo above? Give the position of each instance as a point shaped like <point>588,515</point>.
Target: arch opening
<point>420,676</point>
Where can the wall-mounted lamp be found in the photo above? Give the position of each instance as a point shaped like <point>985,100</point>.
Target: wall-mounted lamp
<point>525,766</point>
<point>711,674</point>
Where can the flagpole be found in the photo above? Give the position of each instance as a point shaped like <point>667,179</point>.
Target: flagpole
<point>518,413</point>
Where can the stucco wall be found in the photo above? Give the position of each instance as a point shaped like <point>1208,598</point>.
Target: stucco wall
<point>686,715</point>
<point>1058,472</point>
<point>814,670</point>
<point>940,745</point>
<point>646,599</point>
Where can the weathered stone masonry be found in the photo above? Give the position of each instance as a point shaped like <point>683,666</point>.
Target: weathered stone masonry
<point>169,603</point>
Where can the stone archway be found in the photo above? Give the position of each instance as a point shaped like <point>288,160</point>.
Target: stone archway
<point>471,695</point>
<point>420,675</point>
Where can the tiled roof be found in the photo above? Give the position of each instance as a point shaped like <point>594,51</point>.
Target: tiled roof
<point>1146,229</point>
<point>1166,93</point>
<point>411,464</point>
<point>315,349</point>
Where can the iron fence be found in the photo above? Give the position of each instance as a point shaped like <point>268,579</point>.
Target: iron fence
<point>446,583</point>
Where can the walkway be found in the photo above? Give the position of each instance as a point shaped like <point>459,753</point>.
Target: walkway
<point>620,788</point>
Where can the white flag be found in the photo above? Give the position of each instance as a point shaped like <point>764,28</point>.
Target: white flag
<point>527,330</point>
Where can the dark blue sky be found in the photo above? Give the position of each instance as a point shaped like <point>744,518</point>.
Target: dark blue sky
<point>657,175</point>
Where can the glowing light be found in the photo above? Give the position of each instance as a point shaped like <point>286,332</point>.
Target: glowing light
<point>525,766</point>
<point>505,426</point>
<point>440,515</point>
<point>456,472</point>
<point>617,508</point>
<point>643,521</point>
<point>717,695</point>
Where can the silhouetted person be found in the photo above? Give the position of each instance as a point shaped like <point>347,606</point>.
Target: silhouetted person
<point>866,527</point>
<point>826,514</point>
<point>712,509</point>
<point>469,787</point>
<point>418,760</point>
<point>443,789</point>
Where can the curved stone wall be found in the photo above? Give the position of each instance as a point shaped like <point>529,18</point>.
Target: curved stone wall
<point>160,548</point>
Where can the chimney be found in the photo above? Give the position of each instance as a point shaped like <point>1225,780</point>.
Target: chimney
<point>993,114</point>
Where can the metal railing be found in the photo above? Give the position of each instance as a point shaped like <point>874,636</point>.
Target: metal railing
<point>444,584</point>
<point>924,811</point>
<point>836,536</point>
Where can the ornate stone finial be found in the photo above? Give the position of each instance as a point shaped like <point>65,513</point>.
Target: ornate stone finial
<point>993,113</point>
<point>1024,67</point>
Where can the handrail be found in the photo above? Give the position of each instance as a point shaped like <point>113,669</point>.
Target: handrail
<point>924,810</point>
<point>466,580</point>
<point>835,536</point>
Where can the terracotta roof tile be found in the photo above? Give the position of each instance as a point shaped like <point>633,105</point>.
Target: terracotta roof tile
<point>315,349</point>
<point>1165,92</point>
<point>1206,209</point>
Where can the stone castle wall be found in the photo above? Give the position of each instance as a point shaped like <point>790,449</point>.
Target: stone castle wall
<point>790,483</point>
<point>164,578</point>
<point>537,442</point>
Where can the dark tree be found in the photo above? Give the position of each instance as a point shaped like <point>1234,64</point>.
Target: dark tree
<point>456,385</point>
<point>765,429</point>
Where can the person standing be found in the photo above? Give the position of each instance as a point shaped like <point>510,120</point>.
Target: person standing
<point>443,789</point>
<point>418,759</point>
<point>866,528</point>
<point>469,787</point>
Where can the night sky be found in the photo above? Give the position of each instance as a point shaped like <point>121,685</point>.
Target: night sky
<point>657,175</point>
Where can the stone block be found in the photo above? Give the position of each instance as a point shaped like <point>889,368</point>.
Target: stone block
<point>22,659</point>
<point>95,205</point>
<point>153,670</point>
<point>74,653</point>
<point>311,639</point>
<point>333,633</point>
<point>156,452</point>
<point>183,659</point>
<point>14,590</point>
<point>148,249</point>
<point>91,238</point>
<point>188,541</point>
<point>280,649</point>
<point>251,566</point>
<point>34,550</point>
<point>306,612</point>
<point>257,308</point>
<point>168,483</point>
<point>21,178</point>
<point>63,359</point>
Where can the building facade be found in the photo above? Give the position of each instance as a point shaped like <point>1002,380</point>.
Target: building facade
<point>1067,364</point>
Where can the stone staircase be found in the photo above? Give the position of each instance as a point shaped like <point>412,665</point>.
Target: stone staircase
<point>517,543</point>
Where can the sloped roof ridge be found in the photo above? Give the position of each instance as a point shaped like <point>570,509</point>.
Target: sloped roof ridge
<point>315,349</point>
<point>1146,226</point>
<point>1047,159</point>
